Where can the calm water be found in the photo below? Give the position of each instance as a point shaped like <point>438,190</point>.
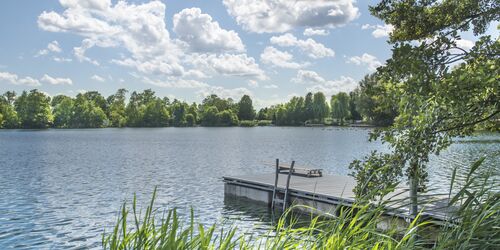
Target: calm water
<point>61,188</point>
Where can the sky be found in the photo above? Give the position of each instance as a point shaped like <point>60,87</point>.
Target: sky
<point>268,49</point>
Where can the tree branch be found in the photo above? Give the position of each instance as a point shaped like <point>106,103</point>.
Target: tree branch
<point>468,124</point>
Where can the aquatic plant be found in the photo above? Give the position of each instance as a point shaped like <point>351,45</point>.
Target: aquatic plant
<point>473,226</point>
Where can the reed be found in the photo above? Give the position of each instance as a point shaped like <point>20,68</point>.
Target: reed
<point>475,225</point>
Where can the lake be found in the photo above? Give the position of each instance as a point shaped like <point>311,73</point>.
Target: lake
<point>61,188</point>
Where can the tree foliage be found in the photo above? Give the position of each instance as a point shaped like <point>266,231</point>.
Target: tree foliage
<point>444,90</point>
<point>63,110</point>
<point>33,109</point>
<point>117,110</point>
<point>245,108</point>
<point>320,107</point>
<point>87,113</point>
<point>145,109</point>
<point>375,102</point>
<point>340,107</point>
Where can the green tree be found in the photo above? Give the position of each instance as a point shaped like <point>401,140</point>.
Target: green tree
<point>281,116</point>
<point>10,118</point>
<point>444,91</point>
<point>215,101</point>
<point>209,116</point>
<point>190,120</point>
<point>33,109</point>
<point>117,109</point>
<point>320,107</point>
<point>155,114</point>
<point>340,107</point>
<point>63,111</point>
<point>179,112</point>
<point>97,99</point>
<point>193,110</point>
<point>227,118</point>
<point>10,97</point>
<point>245,108</point>
<point>87,114</point>
<point>9,115</point>
<point>263,114</point>
<point>295,111</point>
<point>308,107</point>
<point>355,115</point>
<point>134,111</point>
<point>375,102</point>
<point>147,96</point>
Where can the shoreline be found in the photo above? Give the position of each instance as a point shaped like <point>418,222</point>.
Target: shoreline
<point>200,126</point>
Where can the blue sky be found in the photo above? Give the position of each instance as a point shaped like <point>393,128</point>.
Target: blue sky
<point>270,50</point>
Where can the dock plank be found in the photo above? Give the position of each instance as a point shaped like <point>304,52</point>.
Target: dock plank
<point>341,188</point>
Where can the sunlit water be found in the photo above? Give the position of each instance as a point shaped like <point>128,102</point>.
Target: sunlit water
<point>62,188</point>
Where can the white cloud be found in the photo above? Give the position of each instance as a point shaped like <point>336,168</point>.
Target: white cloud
<point>140,31</point>
<point>235,93</point>
<point>271,86</point>
<point>16,80</point>
<point>90,4</point>
<point>379,30</point>
<point>278,58</point>
<point>366,59</point>
<point>312,48</point>
<point>152,66</point>
<point>176,83</point>
<point>308,76</point>
<point>62,59</point>
<point>263,16</point>
<point>328,87</point>
<point>204,35</point>
<point>227,65</point>
<point>253,83</point>
<point>97,78</point>
<point>79,52</point>
<point>332,87</point>
<point>56,81</point>
<point>54,47</point>
<point>465,44</point>
<point>42,52</point>
<point>51,47</point>
<point>315,32</point>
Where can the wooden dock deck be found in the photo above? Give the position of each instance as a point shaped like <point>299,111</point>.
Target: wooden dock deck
<point>327,192</point>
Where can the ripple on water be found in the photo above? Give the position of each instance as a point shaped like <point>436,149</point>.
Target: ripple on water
<point>61,189</point>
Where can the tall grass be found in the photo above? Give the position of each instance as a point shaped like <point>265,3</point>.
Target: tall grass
<point>475,225</point>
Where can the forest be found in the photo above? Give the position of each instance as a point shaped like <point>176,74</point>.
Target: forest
<point>34,110</point>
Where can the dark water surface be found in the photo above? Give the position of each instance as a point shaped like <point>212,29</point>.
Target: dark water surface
<point>60,189</point>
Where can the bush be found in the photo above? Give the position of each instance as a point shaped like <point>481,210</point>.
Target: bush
<point>227,118</point>
<point>247,123</point>
<point>190,120</point>
<point>264,123</point>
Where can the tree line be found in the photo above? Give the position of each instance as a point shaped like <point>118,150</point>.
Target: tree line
<point>369,102</point>
<point>35,109</point>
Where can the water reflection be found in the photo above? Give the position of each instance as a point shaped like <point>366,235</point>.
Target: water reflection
<point>61,188</point>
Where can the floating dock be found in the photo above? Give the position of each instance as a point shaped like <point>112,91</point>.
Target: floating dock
<point>325,194</point>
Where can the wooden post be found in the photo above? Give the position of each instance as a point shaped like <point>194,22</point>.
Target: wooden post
<point>413,196</point>
<point>413,189</point>
<point>275,182</point>
<point>287,185</point>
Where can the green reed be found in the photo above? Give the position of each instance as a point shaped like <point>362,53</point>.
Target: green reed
<point>475,225</point>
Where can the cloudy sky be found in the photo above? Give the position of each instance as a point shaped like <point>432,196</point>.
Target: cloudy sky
<point>187,49</point>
